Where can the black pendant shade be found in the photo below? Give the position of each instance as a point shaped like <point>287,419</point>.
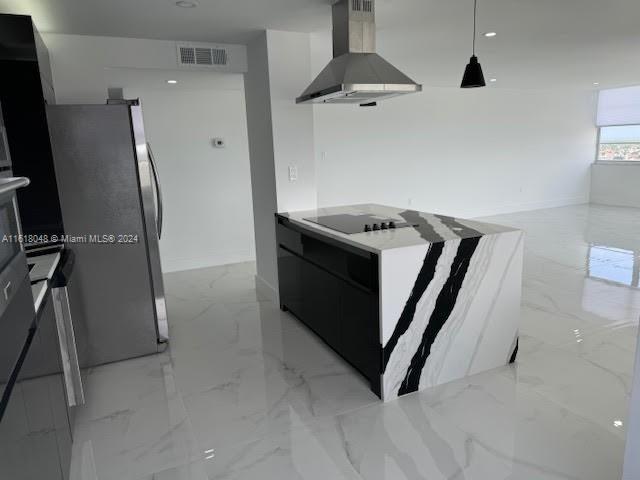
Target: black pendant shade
<point>473,76</point>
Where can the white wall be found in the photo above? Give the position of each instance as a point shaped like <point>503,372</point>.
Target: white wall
<point>263,178</point>
<point>616,184</point>
<point>280,136</point>
<point>208,218</point>
<point>293,130</point>
<point>460,152</point>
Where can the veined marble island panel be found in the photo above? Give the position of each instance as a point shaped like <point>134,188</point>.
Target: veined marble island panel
<point>448,294</point>
<point>448,310</point>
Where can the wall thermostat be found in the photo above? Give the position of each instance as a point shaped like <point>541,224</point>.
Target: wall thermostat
<point>219,143</point>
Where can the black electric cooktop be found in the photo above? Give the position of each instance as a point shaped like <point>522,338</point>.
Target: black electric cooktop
<point>351,224</point>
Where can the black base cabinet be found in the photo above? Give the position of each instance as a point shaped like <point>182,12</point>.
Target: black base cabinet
<point>333,289</point>
<point>320,304</point>
<point>290,281</point>
<point>359,331</point>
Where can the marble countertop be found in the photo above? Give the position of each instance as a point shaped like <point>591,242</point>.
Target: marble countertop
<point>428,227</point>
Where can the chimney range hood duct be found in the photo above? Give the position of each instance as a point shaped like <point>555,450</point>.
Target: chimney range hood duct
<point>356,74</point>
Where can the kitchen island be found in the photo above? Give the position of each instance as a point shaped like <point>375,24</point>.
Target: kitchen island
<point>410,299</point>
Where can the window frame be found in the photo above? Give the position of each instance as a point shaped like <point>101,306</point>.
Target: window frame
<point>613,162</point>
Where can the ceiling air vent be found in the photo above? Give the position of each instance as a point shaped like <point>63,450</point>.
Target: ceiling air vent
<point>187,56</point>
<point>202,56</point>
<point>362,5</point>
<point>219,56</point>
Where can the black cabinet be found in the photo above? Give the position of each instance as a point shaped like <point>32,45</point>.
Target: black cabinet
<point>290,268</point>
<point>333,289</point>
<point>25,90</point>
<point>359,334</point>
<point>321,303</point>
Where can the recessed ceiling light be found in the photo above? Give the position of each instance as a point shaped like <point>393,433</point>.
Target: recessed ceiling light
<point>172,82</point>
<point>618,423</point>
<point>492,80</point>
<point>596,83</point>
<point>186,4</point>
<point>490,34</point>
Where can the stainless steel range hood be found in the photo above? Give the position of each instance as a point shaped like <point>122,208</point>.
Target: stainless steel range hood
<point>356,74</point>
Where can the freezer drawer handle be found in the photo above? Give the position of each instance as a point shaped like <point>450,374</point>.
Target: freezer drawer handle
<point>66,337</point>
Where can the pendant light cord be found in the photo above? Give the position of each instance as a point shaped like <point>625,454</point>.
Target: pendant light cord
<point>475,8</point>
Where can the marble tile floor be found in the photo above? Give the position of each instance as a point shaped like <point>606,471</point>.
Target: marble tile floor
<point>245,392</point>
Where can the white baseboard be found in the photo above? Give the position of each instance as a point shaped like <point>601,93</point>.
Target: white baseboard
<point>525,207</point>
<point>266,290</point>
<point>192,263</point>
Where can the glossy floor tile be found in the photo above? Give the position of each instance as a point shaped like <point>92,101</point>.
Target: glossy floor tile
<point>246,392</point>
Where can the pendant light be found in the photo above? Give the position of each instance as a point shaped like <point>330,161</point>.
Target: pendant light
<point>473,76</point>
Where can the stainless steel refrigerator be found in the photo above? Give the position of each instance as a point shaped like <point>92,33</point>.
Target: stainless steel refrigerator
<point>112,212</point>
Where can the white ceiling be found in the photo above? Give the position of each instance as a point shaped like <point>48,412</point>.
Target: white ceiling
<point>540,42</point>
<point>231,21</point>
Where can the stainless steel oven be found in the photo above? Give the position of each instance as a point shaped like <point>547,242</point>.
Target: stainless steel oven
<point>35,422</point>
<point>16,302</point>
<point>11,232</point>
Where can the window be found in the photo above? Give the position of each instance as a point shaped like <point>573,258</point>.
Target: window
<point>619,143</point>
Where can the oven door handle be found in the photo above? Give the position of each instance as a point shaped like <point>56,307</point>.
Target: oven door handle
<point>68,350</point>
<point>8,185</point>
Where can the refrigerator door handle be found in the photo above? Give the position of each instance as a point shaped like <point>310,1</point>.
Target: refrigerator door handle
<point>156,180</point>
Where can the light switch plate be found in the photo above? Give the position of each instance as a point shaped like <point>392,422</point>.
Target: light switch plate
<point>293,173</point>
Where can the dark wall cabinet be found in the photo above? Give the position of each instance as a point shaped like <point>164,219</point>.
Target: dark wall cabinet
<point>333,289</point>
<point>26,87</point>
